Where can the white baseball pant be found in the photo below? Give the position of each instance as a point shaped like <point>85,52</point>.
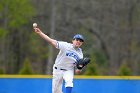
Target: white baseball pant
<point>59,76</point>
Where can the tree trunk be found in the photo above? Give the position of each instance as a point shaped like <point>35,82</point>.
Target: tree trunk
<point>51,54</point>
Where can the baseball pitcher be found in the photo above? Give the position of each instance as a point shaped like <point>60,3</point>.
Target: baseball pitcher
<point>69,57</point>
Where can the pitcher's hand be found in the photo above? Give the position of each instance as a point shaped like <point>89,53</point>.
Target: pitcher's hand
<point>77,71</point>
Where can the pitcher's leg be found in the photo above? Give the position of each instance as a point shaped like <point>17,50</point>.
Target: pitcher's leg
<point>57,82</point>
<point>68,77</point>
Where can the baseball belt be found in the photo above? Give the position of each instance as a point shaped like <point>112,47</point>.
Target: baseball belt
<point>60,68</point>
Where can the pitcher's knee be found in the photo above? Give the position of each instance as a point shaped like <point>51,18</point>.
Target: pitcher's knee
<point>69,84</point>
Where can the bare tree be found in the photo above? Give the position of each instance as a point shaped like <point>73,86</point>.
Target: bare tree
<point>51,51</point>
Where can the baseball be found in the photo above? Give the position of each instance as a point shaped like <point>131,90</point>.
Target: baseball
<point>34,25</point>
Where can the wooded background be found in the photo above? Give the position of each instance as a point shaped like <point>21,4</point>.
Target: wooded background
<point>110,27</point>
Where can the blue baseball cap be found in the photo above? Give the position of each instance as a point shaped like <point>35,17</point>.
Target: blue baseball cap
<point>78,36</point>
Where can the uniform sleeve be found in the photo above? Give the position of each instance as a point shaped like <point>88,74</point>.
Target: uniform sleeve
<point>61,45</point>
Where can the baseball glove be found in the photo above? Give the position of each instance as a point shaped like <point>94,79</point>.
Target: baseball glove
<point>82,63</point>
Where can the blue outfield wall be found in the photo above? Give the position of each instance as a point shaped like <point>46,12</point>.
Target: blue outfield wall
<point>82,84</point>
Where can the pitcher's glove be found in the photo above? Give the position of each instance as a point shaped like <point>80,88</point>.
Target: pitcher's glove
<point>82,63</point>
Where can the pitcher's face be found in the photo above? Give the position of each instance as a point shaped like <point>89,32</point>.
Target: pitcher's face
<point>77,42</point>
